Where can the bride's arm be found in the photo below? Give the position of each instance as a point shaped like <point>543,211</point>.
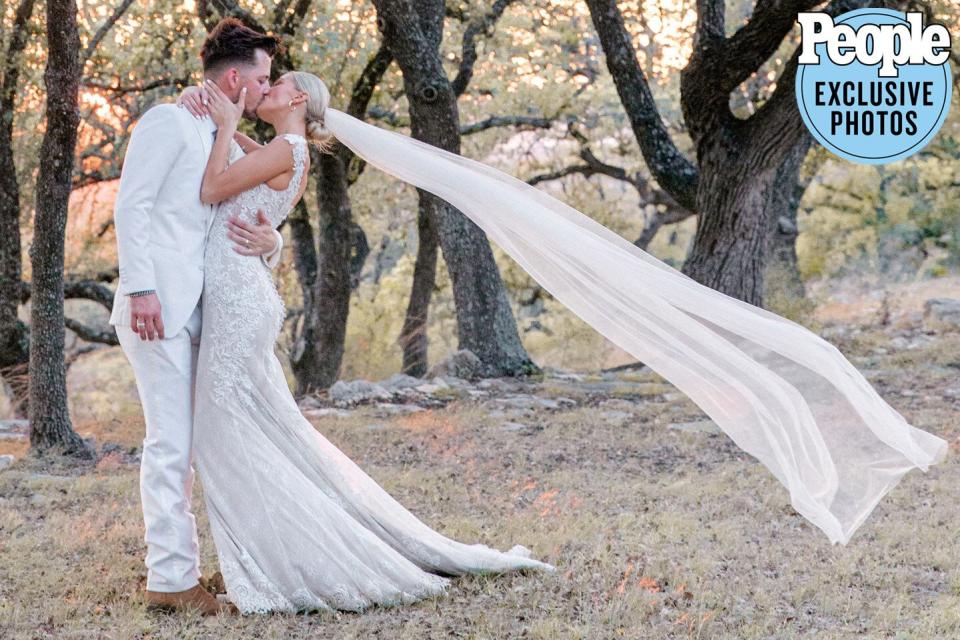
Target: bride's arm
<point>222,180</point>
<point>247,143</point>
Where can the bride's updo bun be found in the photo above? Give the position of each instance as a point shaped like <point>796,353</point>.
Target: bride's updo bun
<point>318,97</point>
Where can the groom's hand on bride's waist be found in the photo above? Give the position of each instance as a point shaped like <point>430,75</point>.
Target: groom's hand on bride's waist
<point>145,317</point>
<point>252,239</point>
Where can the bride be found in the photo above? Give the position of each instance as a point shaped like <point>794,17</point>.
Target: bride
<point>297,525</point>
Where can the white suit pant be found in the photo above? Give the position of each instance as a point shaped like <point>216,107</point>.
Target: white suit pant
<point>165,371</point>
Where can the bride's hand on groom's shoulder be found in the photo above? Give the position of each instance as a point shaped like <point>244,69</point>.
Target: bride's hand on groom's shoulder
<point>195,100</point>
<point>224,111</point>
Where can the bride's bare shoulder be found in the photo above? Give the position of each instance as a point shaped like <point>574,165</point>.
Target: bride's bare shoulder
<point>279,147</point>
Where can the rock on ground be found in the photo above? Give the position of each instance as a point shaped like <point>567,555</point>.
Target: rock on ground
<point>355,391</point>
<point>699,426</point>
<point>462,364</point>
<point>942,313</point>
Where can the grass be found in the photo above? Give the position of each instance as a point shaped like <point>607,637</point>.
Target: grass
<point>656,533</point>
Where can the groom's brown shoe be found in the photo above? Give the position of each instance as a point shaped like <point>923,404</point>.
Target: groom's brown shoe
<point>214,584</point>
<point>196,598</point>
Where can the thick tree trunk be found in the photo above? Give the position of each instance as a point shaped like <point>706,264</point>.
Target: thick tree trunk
<point>306,263</point>
<point>485,323</point>
<point>744,167</point>
<point>748,170</point>
<point>413,336</point>
<point>747,167</point>
<point>730,246</point>
<point>329,274</point>
<point>50,426</point>
<point>321,339</point>
<point>14,336</point>
<point>782,277</point>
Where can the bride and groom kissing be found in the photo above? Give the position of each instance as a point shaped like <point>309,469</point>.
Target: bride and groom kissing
<point>296,524</point>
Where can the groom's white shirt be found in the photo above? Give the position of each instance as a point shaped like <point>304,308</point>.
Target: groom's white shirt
<point>161,224</point>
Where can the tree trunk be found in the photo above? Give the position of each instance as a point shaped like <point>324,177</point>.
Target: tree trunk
<point>413,337</point>
<point>50,425</point>
<point>323,332</point>
<point>14,336</point>
<point>329,274</point>
<point>305,261</point>
<point>745,165</point>
<point>730,246</point>
<point>485,323</point>
<point>742,165</point>
<point>782,277</point>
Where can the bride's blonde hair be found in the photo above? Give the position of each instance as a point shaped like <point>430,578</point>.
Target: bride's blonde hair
<point>318,97</point>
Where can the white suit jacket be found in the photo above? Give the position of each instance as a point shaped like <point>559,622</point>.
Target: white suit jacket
<point>161,224</point>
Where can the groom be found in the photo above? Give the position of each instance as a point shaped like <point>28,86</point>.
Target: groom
<point>162,229</point>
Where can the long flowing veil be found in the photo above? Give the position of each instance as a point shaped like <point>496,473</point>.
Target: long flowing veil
<point>782,393</point>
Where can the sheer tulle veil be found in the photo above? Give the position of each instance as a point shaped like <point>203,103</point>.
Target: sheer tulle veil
<point>783,394</point>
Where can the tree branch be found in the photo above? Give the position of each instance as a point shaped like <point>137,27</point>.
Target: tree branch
<point>672,170</point>
<point>660,218</point>
<point>140,88</point>
<point>469,47</point>
<point>108,336</point>
<point>647,193</point>
<point>754,43</point>
<point>781,108</point>
<point>371,75</point>
<point>104,30</point>
<point>11,67</point>
<point>85,289</point>
<point>289,25</point>
<point>360,97</point>
<point>457,13</point>
<point>228,8</point>
<point>711,24</point>
<point>506,121</point>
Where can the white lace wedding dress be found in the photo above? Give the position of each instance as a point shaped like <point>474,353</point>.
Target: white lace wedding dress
<point>297,524</point>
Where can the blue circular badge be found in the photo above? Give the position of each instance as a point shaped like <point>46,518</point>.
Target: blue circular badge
<point>862,106</point>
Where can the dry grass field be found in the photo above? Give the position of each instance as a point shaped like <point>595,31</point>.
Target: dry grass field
<point>657,531</point>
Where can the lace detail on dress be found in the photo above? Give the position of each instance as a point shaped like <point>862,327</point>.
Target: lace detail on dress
<point>239,311</point>
<point>250,589</point>
<point>253,592</point>
<point>298,526</point>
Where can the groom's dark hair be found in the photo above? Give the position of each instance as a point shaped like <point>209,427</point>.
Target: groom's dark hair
<point>232,42</point>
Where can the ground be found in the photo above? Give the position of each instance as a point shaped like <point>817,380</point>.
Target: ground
<point>657,531</point>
